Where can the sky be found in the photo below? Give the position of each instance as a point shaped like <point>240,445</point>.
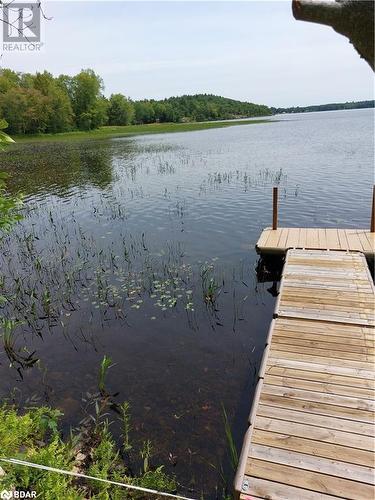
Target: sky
<point>250,50</point>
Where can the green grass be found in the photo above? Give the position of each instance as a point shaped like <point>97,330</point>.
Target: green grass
<point>34,436</point>
<point>132,130</point>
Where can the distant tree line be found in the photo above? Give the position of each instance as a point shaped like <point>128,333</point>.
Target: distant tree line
<point>325,107</point>
<point>42,103</point>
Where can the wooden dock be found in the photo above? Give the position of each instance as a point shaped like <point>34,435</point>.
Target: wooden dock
<point>278,241</point>
<point>311,427</point>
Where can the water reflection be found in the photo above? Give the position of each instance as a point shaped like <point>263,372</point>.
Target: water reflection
<point>56,168</point>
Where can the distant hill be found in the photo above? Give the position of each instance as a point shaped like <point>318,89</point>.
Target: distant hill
<point>325,107</point>
<point>199,107</point>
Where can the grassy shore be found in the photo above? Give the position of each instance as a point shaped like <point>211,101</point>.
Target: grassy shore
<point>132,130</point>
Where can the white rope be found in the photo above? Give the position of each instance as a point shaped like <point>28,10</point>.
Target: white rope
<point>15,461</point>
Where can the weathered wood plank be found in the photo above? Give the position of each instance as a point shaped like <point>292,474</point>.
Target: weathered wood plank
<point>282,238</point>
<point>353,240</point>
<point>312,238</point>
<point>321,376</point>
<point>332,239</point>
<point>319,408</point>
<point>293,237</point>
<point>365,375</point>
<point>302,416</point>
<point>302,325</point>
<point>311,447</point>
<point>325,387</point>
<point>274,237</point>
<point>260,488</point>
<point>313,432</point>
<point>334,353</point>
<point>332,363</point>
<point>313,464</point>
<point>344,245</point>
<point>263,238</point>
<point>322,483</point>
<point>319,341</point>
<point>364,241</point>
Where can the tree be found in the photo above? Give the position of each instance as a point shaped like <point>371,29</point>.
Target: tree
<point>99,112</point>
<point>8,79</point>
<point>120,110</point>
<point>60,116</point>
<point>87,100</point>
<point>351,18</point>
<point>144,112</point>
<point>26,110</point>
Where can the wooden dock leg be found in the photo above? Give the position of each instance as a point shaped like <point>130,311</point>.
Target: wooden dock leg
<point>274,208</point>
<point>372,229</point>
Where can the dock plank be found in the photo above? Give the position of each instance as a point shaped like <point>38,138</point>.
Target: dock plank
<point>312,463</point>
<point>321,483</point>
<point>312,447</point>
<point>299,415</point>
<point>260,488</point>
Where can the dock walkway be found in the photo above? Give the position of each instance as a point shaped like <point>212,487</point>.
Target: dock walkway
<point>311,427</point>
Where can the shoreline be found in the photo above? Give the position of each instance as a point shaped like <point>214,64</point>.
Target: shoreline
<point>113,132</point>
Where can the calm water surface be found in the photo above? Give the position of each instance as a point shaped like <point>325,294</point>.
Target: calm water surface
<point>121,241</point>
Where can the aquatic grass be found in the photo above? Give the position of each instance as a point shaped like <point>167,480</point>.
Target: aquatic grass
<point>210,286</point>
<point>233,455</point>
<point>126,427</point>
<point>105,365</point>
<point>243,179</point>
<point>145,454</point>
<point>8,327</point>
<point>21,358</point>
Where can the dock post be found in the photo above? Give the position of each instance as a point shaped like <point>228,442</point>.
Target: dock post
<point>372,229</point>
<point>274,208</point>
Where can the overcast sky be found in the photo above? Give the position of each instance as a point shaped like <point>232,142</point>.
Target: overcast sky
<point>250,50</point>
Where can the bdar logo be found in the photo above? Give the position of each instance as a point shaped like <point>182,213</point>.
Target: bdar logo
<point>6,495</point>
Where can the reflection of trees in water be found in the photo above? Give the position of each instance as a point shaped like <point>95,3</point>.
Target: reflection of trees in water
<point>56,168</point>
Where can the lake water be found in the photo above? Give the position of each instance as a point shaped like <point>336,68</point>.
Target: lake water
<point>143,249</point>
